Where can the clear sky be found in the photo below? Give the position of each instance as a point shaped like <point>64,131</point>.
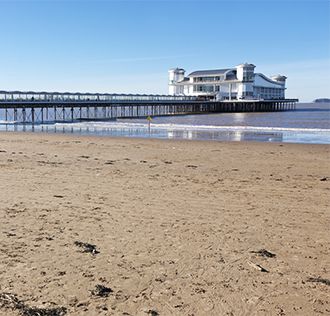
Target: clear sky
<point>128,46</point>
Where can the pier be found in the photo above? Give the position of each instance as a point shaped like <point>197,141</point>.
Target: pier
<point>43,107</point>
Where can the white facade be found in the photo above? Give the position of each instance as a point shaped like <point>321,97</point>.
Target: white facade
<point>240,82</point>
<point>174,76</point>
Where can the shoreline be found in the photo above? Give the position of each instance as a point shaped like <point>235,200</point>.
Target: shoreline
<point>128,138</point>
<point>177,225</point>
<point>226,136</point>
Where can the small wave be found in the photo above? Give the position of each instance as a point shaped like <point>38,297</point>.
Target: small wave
<point>2,122</point>
<point>125,125</point>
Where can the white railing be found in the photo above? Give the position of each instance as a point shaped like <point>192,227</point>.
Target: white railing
<point>30,96</point>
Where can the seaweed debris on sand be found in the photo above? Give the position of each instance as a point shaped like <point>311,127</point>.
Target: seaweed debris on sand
<point>11,301</point>
<point>319,280</point>
<point>264,253</point>
<point>101,290</point>
<point>87,247</point>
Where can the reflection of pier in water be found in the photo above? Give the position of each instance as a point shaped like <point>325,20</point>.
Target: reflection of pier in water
<point>132,131</point>
<point>226,135</point>
<point>42,107</point>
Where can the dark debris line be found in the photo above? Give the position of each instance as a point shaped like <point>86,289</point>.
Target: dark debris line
<point>87,247</point>
<point>11,301</point>
<point>101,290</point>
<point>319,280</point>
<point>264,253</point>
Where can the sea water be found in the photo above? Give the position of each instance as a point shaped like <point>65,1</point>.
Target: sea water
<point>309,123</point>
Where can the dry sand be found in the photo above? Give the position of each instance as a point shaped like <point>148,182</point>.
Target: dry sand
<point>175,224</point>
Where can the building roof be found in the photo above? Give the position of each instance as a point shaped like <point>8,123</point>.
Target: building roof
<point>177,69</point>
<point>268,79</point>
<point>214,72</point>
<point>185,79</point>
<point>278,77</point>
<point>246,65</point>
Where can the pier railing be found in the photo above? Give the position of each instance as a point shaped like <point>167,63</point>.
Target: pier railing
<point>30,96</point>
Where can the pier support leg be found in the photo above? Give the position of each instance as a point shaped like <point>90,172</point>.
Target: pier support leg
<point>32,115</point>
<point>24,115</point>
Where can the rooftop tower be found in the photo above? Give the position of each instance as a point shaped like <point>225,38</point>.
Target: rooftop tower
<point>175,75</point>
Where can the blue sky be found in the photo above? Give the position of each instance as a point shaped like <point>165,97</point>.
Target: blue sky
<point>128,46</point>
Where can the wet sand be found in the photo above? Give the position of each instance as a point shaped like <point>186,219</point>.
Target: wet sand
<point>177,226</point>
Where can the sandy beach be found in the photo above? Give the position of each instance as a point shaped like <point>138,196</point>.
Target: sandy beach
<point>112,226</point>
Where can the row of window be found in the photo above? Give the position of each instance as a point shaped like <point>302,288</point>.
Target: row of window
<point>268,90</point>
<point>214,88</point>
<point>269,93</point>
<point>258,91</point>
<point>248,77</point>
<point>247,94</point>
<point>205,88</point>
<point>207,79</point>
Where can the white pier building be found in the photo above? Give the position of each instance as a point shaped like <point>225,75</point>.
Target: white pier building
<point>240,82</point>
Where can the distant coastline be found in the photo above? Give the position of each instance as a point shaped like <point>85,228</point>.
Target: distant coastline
<point>322,100</point>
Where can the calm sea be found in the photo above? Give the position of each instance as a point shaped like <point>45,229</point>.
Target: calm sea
<point>309,123</point>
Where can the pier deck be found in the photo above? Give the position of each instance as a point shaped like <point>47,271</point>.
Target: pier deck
<point>42,107</point>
